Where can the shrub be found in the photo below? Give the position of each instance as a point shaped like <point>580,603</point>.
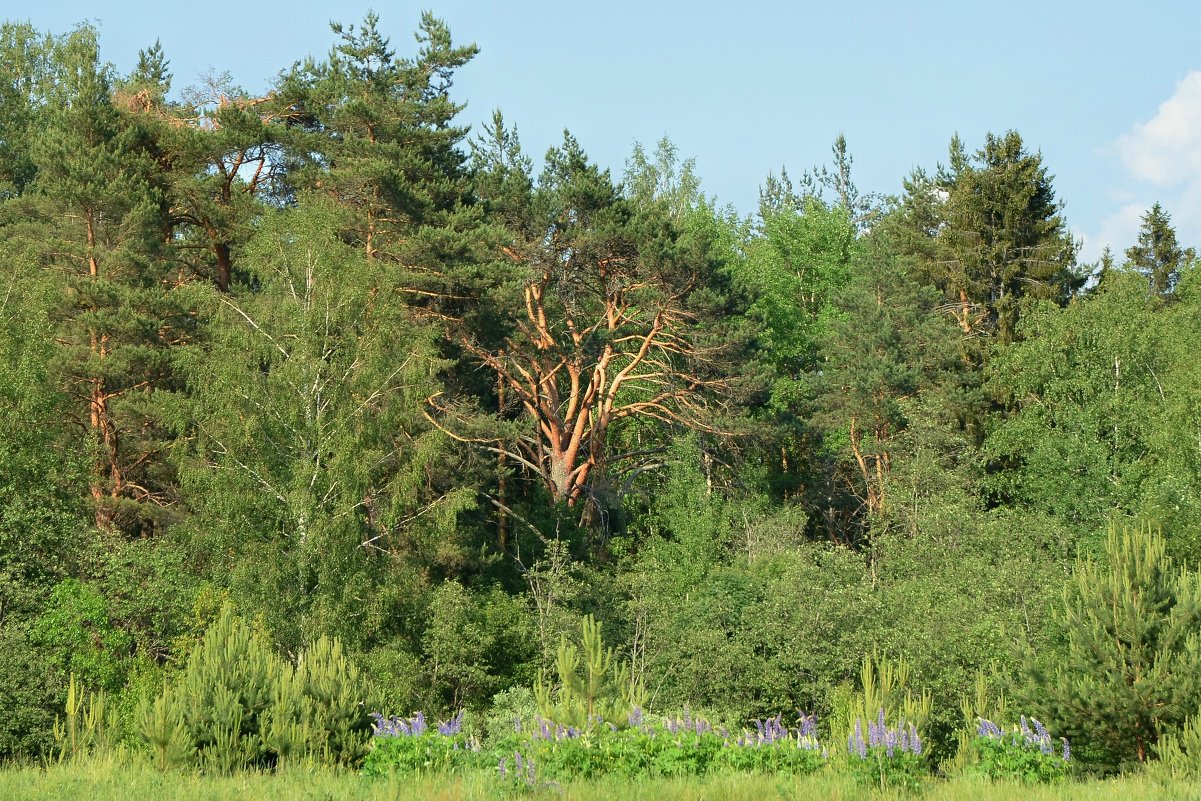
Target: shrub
<point>409,745</point>
<point>28,696</point>
<point>1027,754</point>
<point>75,629</point>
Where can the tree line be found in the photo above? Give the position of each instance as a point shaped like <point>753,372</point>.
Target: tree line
<point>331,356</point>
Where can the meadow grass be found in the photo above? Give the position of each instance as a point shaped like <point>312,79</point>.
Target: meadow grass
<point>112,779</point>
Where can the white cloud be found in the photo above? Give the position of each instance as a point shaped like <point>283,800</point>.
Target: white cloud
<point>1118,230</point>
<point>1166,150</point>
<point>1162,160</point>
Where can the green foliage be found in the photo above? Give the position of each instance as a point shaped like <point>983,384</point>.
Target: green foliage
<point>794,269</point>
<point>986,703</point>
<point>1101,396</point>
<point>989,233</point>
<point>241,341</point>
<point>224,691</point>
<point>114,781</point>
<point>603,691</point>
<point>332,687</point>
<point>634,753</point>
<point>29,696</point>
<point>42,522</point>
<point>476,642</point>
<point>879,770</point>
<point>161,724</point>
<point>1132,668</point>
<point>428,753</point>
<point>1179,752</point>
<point>1158,257</point>
<point>328,474</point>
<point>1013,758</point>
<point>238,705</point>
<point>75,627</point>
<point>630,753</point>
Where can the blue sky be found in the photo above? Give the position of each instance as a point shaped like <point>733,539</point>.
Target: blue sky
<point>1109,92</point>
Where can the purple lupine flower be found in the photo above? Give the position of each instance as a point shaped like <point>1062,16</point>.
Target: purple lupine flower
<point>915,741</point>
<point>449,728</point>
<point>636,716</point>
<point>500,768</point>
<point>1044,738</point>
<point>530,772</point>
<point>1029,735</point>
<point>517,761</point>
<point>875,731</point>
<point>1067,750</point>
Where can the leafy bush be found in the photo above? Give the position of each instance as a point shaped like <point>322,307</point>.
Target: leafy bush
<point>28,696</point>
<point>1025,754</point>
<point>409,745</point>
<point>75,628</point>
<point>677,747</point>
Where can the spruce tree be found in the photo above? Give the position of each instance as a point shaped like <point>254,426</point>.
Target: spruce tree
<point>989,232</point>
<point>1158,256</point>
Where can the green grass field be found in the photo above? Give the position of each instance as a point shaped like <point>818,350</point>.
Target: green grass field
<point>112,781</point>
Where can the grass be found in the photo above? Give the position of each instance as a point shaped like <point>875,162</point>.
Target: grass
<point>112,779</point>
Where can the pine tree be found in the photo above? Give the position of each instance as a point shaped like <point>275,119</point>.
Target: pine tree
<point>375,132</point>
<point>885,343</point>
<point>93,218</point>
<point>1133,664</point>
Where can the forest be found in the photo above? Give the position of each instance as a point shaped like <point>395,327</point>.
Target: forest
<point>363,391</point>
